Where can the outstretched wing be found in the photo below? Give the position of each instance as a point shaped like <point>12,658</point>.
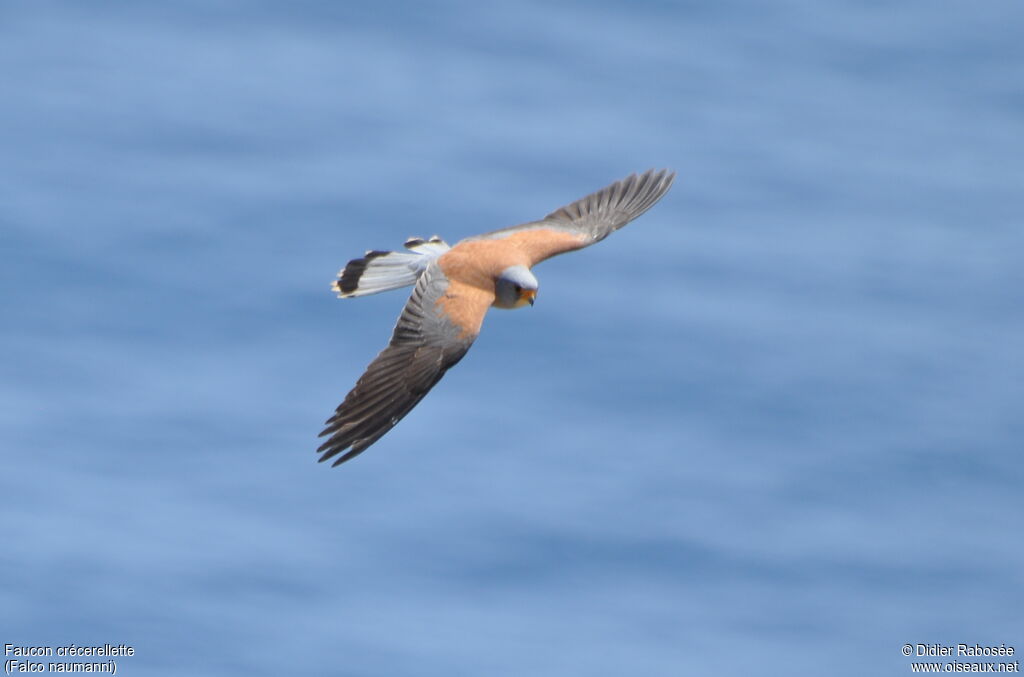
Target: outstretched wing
<point>427,341</point>
<point>590,219</point>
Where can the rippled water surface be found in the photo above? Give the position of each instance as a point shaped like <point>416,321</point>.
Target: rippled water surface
<point>772,427</point>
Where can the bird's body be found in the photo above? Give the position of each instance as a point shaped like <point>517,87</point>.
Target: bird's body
<point>454,288</point>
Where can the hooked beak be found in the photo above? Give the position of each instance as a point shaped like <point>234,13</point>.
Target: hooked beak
<point>530,295</point>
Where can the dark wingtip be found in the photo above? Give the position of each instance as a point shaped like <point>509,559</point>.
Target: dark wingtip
<point>347,457</point>
<point>327,451</point>
<point>331,453</point>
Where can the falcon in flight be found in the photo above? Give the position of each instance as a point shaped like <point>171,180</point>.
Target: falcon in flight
<point>452,289</point>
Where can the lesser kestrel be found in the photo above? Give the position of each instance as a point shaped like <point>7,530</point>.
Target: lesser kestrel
<point>454,287</point>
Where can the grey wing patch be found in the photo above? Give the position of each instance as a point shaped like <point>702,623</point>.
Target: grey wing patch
<point>610,208</point>
<point>424,345</point>
<point>599,214</point>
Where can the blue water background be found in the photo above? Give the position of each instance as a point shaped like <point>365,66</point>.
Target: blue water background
<point>772,427</point>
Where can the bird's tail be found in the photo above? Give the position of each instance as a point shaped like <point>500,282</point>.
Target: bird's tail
<point>380,271</point>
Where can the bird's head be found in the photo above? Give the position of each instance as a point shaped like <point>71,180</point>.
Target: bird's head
<point>515,287</point>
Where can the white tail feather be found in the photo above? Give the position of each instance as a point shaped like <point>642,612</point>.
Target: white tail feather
<point>380,271</point>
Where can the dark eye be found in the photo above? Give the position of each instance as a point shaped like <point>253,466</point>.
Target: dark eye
<point>519,289</point>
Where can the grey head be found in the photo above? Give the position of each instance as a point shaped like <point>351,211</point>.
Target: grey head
<point>515,287</point>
